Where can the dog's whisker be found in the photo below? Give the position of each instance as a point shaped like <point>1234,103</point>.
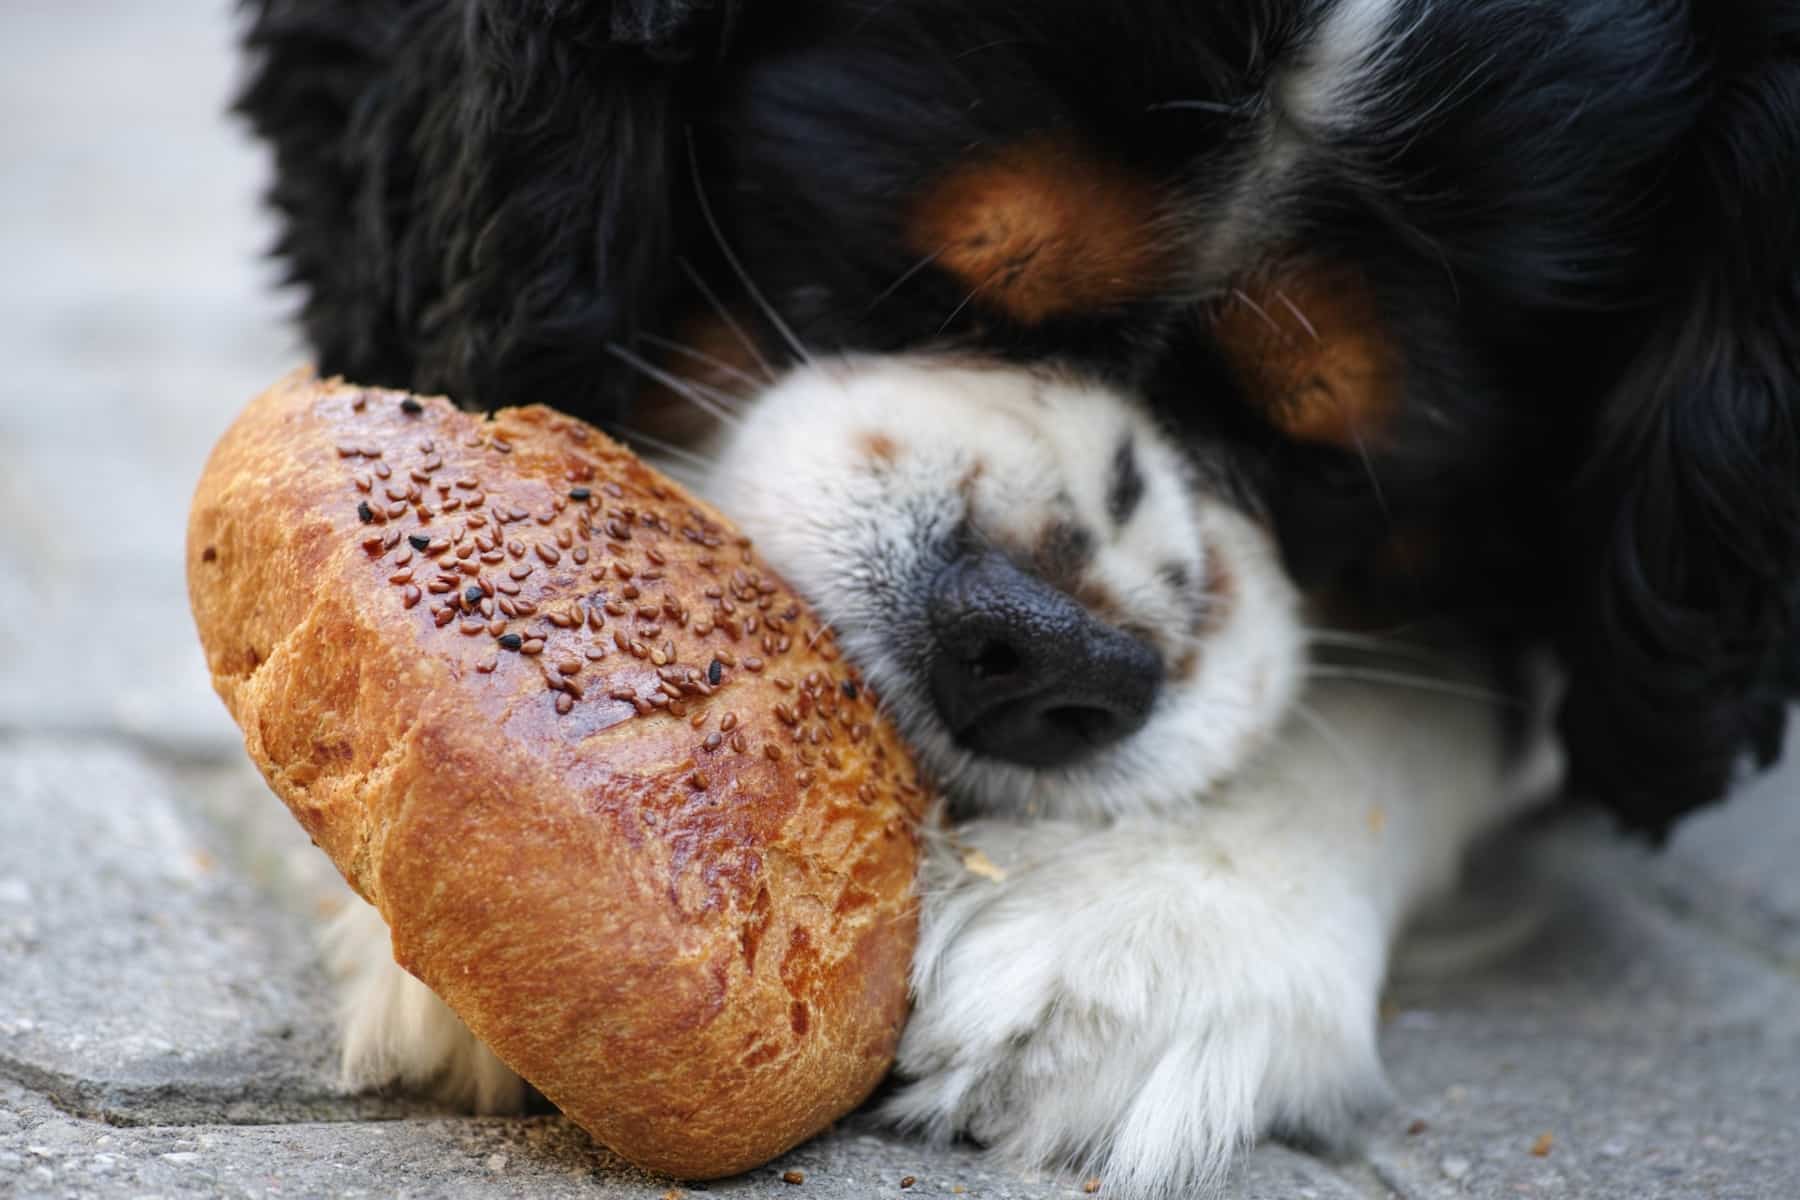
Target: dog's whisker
<point>698,355</point>
<point>1298,315</point>
<point>1358,641</point>
<point>724,314</point>
<point>1401,632</point>
<point>1212,106</point>
<point>1368,465</point>
<point>957,311</point>
<point>1332,737</point>
<point>755,293</point>
<point>1423,683</point>
<point>688,389</point>
<point>709,400</point>
<point>1377,646</point>
<point>1259,310</point>
<point>682,454</point>
<point>905,275</point>
<point>991,44</point>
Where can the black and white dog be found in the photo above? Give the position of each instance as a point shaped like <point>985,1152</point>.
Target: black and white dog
<point>1110,373</point>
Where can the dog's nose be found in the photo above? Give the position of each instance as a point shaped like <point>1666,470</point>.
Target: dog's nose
<point>1022,672</point>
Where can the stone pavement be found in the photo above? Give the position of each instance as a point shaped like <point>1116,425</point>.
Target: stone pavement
<point>164,1023</point>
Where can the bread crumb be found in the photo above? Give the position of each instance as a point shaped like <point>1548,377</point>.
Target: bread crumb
<point>1092,1185</point>
<point>672,1194</point>
<point>793,1177</point>
<point>1541,1147</point>
<point>977,863</point>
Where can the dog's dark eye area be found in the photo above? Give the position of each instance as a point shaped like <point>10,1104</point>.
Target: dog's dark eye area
<point>1325,524</point>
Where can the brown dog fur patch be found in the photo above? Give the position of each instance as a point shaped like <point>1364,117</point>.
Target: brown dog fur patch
<point>1305,340</point>
<point>1045,229</point>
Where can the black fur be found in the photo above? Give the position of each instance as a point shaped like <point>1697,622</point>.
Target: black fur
<point>1684,554</point>
<point>479,194</point>
<point>1576,220</point>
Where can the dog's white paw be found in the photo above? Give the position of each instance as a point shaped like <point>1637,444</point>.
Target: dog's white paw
<point>396,1031</point>
<point>1136,1002</point>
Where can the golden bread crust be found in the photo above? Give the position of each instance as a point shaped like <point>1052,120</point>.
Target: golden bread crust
<point>660,856</point>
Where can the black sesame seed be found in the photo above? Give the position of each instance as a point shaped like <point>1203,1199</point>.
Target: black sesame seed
<point>848,687</point>
<point>411,407</point>
<point>418,540</point>
<point>364,513</point>
<point>474,595</point>
<point>714,672</point>
<point>579,493</point>
<point>511,641</point>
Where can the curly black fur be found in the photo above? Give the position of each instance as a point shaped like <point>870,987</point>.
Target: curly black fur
<point>479,195</point>
<point>1578,221</point>
<point>1684,547</point>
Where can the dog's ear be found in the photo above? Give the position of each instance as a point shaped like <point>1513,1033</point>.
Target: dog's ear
<point>1684,539</point>
<point>479,194</point>
<point>552,173</point>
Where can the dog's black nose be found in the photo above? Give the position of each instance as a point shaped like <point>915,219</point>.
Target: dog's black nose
<point>1022,672</point>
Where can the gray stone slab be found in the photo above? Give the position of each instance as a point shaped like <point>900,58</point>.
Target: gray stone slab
<point>162,921</point>
<point>44,1152</point>
<point>138,317</point>
<point>148,979</point>
<point>161,924</point>
<point>1737,866</point>
<point>1621,1051</point>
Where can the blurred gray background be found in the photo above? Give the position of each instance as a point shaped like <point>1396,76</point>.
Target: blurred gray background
<point>163,1015</point>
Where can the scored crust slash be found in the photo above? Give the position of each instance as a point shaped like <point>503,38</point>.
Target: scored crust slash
<point>620,800</point>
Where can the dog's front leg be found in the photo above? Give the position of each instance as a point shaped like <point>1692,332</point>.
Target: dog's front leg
<point>394,1029</point>
<point>1143,998</point>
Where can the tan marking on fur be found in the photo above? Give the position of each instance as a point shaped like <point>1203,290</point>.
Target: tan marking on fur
<point>978,863</point>
<point>1061,553</point>
<point>877,448</point>
<point>1218,594</point>
<point>1045,228</point>
<point>1098,599</point>
<point>965,487</point>
<point>1305,340</point>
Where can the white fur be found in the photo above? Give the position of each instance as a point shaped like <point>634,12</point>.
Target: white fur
<point>1169,949</point>
<point>857,537</point>
<point>1327,85</point>
<point>1140,998</point>
<point>1323,88</point>
<point>396,1030</point>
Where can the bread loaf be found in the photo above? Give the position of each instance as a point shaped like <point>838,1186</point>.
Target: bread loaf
<point>621,802</point>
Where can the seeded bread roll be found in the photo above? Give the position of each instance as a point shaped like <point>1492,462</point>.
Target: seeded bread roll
<point>620,801</point>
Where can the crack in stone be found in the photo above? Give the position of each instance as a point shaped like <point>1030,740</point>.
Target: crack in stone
<point>180,1103</point>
